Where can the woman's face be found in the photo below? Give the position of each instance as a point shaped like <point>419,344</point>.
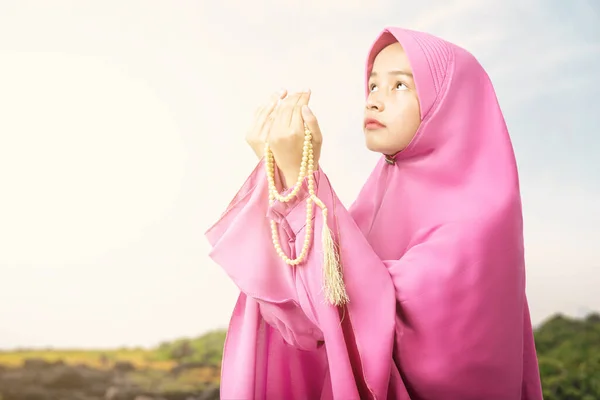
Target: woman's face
<point>392,114</point>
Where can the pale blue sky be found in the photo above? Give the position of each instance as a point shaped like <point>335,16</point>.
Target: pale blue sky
<point>122,139</point>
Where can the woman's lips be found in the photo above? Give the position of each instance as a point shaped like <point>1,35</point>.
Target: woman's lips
<point>372,124</point>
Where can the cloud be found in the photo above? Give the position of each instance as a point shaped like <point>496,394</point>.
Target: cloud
<point>444,13</point>
<point>535,59</point>
<point>149,103</point>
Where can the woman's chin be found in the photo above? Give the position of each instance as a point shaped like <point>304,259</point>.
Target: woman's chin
<point>375,144</point>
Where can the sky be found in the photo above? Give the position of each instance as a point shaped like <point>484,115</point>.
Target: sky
<point>122,129</point>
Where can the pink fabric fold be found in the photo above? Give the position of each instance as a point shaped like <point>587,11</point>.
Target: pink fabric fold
<point>433,259</point>
<point>285,341</point>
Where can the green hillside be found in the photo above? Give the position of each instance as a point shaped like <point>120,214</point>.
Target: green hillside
<point>189,368</point>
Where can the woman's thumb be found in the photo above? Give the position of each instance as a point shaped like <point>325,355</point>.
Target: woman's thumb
<point>311,122</point>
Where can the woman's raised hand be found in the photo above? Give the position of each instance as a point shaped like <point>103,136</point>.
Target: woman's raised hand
<point>286,137</point>
<point>264,115</point>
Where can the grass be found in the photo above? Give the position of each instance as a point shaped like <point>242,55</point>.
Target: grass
<point>152,371</point>
<point>102,359</point>
<point>196,379</point>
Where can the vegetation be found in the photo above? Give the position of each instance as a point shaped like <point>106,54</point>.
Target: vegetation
<point>206,349</point>
<point>569,357</point>
<point>568,352</point>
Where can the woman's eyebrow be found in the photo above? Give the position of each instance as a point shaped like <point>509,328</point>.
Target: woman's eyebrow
<point>395,72</point>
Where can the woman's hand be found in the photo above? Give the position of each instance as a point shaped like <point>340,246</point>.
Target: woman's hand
<point>263,118</point>
<point>286,137</point>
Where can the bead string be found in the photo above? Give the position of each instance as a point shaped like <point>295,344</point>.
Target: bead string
<point>306,170</point>
<point>334,287</point>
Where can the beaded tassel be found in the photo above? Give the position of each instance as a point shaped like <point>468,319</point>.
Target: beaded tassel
<point>333,282</point>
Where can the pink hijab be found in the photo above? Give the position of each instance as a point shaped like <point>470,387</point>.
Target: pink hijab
<point>448,212</point>
<point>432,252</point>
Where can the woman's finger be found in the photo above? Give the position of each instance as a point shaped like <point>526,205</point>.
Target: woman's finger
<point>304,98</point>
<point>266,129</point>
<point>296,123</point>
<point>311,122</point>
<point>284,115</point>
<point>267,110</point>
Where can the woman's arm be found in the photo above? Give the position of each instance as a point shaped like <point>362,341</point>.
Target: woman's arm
<point>354,344</point>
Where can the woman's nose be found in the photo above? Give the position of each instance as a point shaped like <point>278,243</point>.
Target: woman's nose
<point>374,103</point>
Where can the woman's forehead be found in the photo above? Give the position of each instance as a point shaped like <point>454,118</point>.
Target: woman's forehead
<point>392,56</point>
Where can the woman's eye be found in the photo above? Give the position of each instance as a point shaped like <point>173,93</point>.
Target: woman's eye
<point>372,87</point>
<point>401,86</point>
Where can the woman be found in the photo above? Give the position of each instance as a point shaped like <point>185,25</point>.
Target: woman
<point>431,251</point>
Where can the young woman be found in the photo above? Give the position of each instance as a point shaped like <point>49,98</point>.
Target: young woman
<point>433,301</point>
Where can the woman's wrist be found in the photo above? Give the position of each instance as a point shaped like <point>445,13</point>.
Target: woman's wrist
<point>290,179</point>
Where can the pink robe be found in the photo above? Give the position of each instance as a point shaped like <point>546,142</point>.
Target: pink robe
<point>432,254</point>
